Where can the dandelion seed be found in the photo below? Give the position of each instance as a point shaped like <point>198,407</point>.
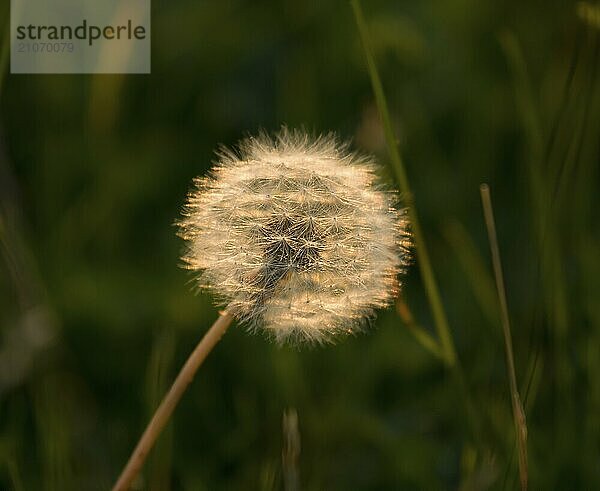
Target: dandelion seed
<point>296,236</point>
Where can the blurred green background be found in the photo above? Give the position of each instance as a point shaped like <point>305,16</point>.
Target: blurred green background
<point>96,316</point>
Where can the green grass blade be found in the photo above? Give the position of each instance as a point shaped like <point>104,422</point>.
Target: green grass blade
<point>429,281</point>
<point>157,378</point>
<point>518,412</point>
<point>420,334</point>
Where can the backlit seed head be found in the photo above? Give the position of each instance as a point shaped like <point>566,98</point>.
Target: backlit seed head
<point>295,235</point>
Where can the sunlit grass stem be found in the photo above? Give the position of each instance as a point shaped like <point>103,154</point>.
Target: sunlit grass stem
<point>429,281</point>
<point>167,406</point>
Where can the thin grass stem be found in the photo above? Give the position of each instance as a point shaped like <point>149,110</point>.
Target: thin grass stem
<point>420,334</point>
<point>157,378</point>
<point>429,281</point>
<point>517,407</point>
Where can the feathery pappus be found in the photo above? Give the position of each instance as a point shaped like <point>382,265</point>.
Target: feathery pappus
<point>296,236</point>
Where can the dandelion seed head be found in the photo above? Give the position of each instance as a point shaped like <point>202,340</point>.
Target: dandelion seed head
<point>296,236</point>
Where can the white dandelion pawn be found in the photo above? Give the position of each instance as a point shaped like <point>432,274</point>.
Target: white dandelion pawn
<point>296,236</point>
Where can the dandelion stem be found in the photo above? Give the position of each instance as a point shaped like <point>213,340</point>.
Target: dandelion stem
<point>517,406</point>
<point>433,295</point>
<point>167,406</point>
